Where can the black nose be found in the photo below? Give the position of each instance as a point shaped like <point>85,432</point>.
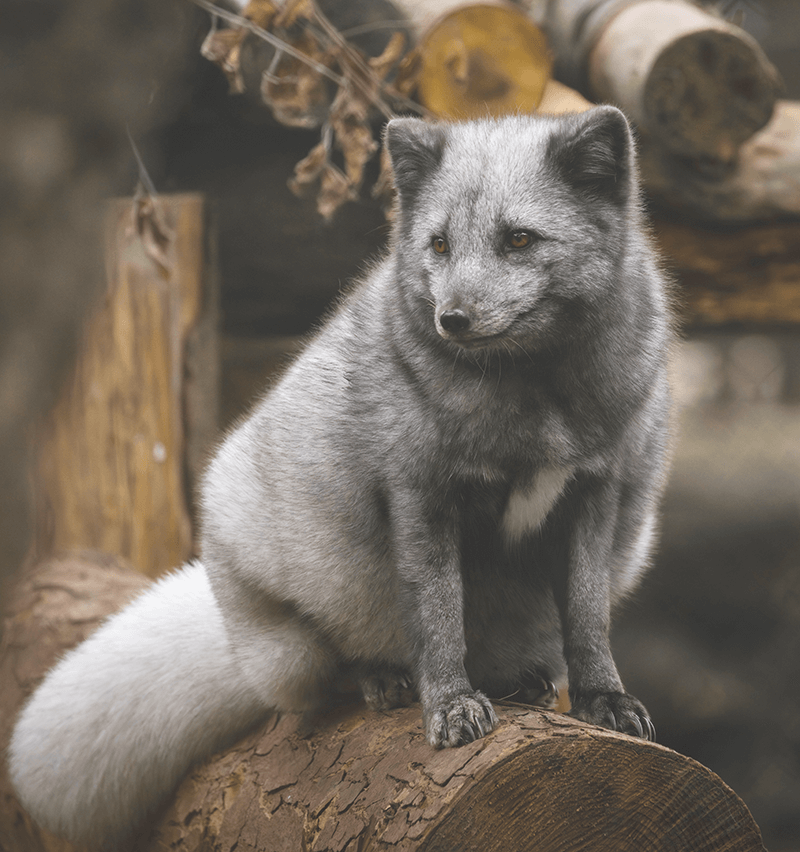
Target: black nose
<point>454,321</point>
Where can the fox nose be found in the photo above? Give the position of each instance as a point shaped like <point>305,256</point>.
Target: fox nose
<point>454,320</point>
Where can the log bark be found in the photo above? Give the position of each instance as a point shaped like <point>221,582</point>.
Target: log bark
<point>698,84</point>
<point>361,780</point>
<point>738,275</point>
<point>55,605</point>
<point>111,467</point>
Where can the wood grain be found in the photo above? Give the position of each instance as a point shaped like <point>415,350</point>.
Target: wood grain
<point>111,456</point>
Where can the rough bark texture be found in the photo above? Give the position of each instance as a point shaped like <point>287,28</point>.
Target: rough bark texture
<point>739,275</point>
<point>140,399</point>
<point>368,781</point>
<point>55,605</point>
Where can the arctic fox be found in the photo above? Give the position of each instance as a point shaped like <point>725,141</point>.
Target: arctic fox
<point>446,493</point>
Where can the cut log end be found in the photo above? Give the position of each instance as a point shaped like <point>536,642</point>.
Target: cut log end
<point>484,59</point>
<point>707,93</point>
<point>699,85</point>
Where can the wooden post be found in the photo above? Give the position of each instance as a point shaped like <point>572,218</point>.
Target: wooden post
<point>115,456</point>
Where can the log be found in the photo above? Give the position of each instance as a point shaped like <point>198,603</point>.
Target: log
<point>365,780</point>
<point>746,275</point>
<point>541,781</point>
<point>763,183</point>
<point>55,605</point>
<point>482,59</point>
<point>114,458</point>
<point>698,84</point>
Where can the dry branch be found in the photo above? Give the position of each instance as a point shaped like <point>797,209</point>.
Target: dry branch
<point>309,75</point>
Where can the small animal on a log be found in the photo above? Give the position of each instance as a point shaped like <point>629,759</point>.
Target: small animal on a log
<point>443,497</point>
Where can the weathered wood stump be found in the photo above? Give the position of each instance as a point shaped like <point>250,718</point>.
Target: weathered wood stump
<point>115,456</point>
<point>368,781</point>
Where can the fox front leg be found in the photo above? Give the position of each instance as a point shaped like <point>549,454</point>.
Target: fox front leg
<point>432,599</point>
<point>584,595</point>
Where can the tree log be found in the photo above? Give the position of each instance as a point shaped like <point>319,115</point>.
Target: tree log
<point>699,85</point>
<point>139,409</point>
<point>541,781</point>
<point>364,780</point>
<point>739,275</point>
<point>763,183</point>
<point>55,605</point>
<point>482,59</point>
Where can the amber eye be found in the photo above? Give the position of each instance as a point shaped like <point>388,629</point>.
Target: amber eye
<point>440,245</point>
<point>519,239</point>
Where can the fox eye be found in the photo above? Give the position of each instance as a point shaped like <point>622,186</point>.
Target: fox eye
<point>440,245</point>
<point>519,239</point>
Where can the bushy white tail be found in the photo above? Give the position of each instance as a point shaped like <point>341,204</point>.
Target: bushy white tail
<point>116,724</point>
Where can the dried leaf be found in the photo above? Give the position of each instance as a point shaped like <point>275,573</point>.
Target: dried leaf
<point>293,11</point>
<point>334,190</point>
<point>349,119</point>
<point>223,48</point>
<point>392,53</point>
<point>405,80</point>
<point>261,13</point>
<point>151,226</point>
<point>296,93</point>
<point>307,172</point>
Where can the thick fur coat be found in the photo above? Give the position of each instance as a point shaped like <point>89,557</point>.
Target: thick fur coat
<point>445,495</point>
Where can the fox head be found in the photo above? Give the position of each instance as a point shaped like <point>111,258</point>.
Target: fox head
<point>505,226</point>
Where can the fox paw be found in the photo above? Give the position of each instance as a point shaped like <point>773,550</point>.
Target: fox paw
<point>537,690</point>
<point>617,711</point>
<point>461,720</point>
<point>385,689</point>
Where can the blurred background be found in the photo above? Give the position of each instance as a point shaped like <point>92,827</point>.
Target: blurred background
<point>98,98</point>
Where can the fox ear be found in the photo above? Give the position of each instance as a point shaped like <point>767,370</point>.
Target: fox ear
<point>595,154</point>
<point>415,148</point>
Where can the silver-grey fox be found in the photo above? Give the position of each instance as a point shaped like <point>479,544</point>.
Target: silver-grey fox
<point>446,493</point>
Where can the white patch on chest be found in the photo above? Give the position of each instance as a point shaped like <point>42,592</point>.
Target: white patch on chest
<point>528,507</point>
